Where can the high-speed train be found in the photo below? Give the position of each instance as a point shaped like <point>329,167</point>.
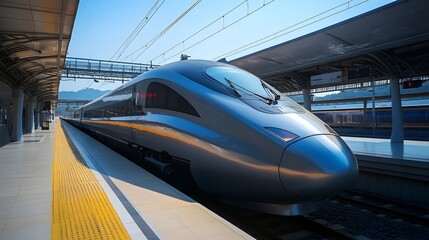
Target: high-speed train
<point>244,141</point>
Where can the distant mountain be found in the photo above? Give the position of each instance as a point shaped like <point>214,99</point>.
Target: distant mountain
<point>85,94</point>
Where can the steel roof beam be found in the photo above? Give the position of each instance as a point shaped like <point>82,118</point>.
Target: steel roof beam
<point>23,61</point>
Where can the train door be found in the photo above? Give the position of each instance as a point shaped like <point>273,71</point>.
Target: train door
<point>138,114</point>
<point>81,116</point>
<point>132,115</point>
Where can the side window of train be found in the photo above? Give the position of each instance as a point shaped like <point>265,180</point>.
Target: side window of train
<point>161,96</point>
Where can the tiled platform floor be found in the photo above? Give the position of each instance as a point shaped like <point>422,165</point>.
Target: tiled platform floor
<point>26,187</point>
<point>409,150</point>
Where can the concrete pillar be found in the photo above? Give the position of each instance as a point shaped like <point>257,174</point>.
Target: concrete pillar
<point>17,108</point>
<point>397,122</point>
<point>307,98</point>
<point>37,116</point>
<point>40,115</point>
<point>29,126</point>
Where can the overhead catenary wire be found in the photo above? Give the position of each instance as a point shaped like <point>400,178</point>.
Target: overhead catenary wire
<point>302,24</point>
<point>156,38</point>
<point>209,25</point>
<point>146,46</point>
<point>137,30</point>
<point>292,28</point>
<point>202,29</point>
<point>128,41</point>
<point>260,41</point>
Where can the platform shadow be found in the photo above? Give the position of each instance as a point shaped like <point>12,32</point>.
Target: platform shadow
<point>112,165</point>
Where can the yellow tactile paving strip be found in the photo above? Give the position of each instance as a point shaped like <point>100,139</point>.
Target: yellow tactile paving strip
<point>80,208</point>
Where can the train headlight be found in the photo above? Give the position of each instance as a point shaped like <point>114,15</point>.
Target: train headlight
<point>282,134</point>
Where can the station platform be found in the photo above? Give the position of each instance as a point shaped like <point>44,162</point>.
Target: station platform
<point>395,171</point>
<point>26,187</point>
<point>63,184</point>
<point>382,148</point>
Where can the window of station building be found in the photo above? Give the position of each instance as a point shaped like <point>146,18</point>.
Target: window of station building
<point>161,96</point>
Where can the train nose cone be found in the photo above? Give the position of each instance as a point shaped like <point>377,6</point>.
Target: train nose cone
<point>317,167</point>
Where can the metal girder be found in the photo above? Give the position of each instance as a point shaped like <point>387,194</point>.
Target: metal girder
<point>66,101</point>
<point>31,77</point>
<point>19,48</point>
<point>23,61</point>
<point>81,68</point>
<point>28,35</point>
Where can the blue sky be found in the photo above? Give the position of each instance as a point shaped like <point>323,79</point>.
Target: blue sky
<point>101,27</point>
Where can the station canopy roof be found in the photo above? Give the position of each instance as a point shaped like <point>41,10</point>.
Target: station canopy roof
<point>389,41</point>
<point>34,38</point>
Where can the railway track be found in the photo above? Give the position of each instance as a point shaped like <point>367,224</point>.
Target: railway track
<point>267,226</point>
<point>381,218</point>
<point>414,214</point>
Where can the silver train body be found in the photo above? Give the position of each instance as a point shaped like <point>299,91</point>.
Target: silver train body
<point>245,141</point>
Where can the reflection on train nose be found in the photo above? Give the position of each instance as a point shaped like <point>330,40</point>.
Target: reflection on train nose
<point>317,166</point>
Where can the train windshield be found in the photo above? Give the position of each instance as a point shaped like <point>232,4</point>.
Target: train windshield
<point>242,82</point>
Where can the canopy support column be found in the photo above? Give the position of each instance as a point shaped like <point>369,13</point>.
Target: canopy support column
<point>397,120</point>
<point>17,110</point>
<point>307,98</point>
<point>30,115</point>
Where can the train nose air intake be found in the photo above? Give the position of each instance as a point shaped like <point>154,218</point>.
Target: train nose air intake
<point>318,166</point>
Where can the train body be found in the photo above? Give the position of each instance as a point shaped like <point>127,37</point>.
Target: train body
<point>415,114</point>
<point>244,141</point>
